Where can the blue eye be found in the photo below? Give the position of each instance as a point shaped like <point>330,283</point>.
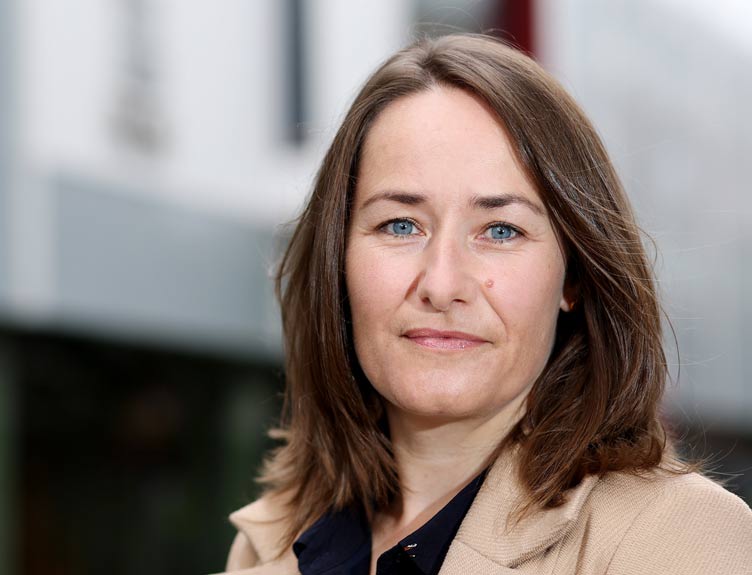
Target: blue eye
<point>400,227</point>
<point>501,232</point>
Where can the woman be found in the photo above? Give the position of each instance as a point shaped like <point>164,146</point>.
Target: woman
<point>474,357</point>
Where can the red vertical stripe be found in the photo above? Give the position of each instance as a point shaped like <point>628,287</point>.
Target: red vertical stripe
<point>516,23</point>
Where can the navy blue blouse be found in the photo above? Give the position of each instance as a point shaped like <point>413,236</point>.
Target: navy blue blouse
<point>340,543</point>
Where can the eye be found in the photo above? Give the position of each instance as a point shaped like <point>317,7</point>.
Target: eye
<point>502,232</point>
<point>402,227</point>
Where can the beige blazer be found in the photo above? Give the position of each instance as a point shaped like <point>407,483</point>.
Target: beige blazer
<point>615,525</point>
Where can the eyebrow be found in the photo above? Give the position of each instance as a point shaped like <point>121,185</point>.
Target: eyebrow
<point>403,198</point>
<point>477,202</point>
<point>502,200</point>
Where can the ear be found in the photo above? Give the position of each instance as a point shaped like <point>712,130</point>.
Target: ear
<point>570,295</point>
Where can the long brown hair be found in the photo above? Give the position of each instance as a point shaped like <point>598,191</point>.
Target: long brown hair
<point>595,406</point>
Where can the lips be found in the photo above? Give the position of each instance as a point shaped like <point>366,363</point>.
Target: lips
<point>449,340</point>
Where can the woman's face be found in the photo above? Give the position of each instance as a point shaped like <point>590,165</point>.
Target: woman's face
<point>454,273</point>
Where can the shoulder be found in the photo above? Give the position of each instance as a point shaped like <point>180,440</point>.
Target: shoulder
<point>261,527</point>
<point>673,524</point>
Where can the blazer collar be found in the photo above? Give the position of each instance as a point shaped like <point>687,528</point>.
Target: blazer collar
<point>263,523</point>
<point>487,533</point>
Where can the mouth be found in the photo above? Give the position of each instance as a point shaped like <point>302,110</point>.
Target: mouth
<point>444,340</point>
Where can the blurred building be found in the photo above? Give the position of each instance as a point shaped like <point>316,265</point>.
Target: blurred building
<point>666,84</point>
<point>150,151</point>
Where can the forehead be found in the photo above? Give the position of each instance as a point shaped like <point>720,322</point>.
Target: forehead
<point>443,142</point>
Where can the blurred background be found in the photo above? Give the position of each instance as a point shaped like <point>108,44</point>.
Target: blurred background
<point>150,151</point>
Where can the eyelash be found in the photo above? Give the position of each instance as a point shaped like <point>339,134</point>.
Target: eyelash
<point>516,230</point>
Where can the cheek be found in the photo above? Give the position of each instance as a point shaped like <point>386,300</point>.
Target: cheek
<point>373,290</point>
<point>527,294</point>
<point>361,277</point>
<point>375,281</point>
<point>372,294</point>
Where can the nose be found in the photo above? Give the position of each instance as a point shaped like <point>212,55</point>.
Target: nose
<point>445,276</point>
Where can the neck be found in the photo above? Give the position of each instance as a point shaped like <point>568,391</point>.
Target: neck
<point>437,457</point>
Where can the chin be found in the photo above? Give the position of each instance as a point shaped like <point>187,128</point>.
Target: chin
<point>433,413</point>
<point>441,404</point>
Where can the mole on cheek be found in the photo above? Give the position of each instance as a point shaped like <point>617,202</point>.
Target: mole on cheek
<point>489,283</point>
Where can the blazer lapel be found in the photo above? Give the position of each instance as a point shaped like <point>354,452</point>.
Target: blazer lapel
<point>263,523</point>
<point>488,539</point>
<point>284,567</point>
<point>465,560</point>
